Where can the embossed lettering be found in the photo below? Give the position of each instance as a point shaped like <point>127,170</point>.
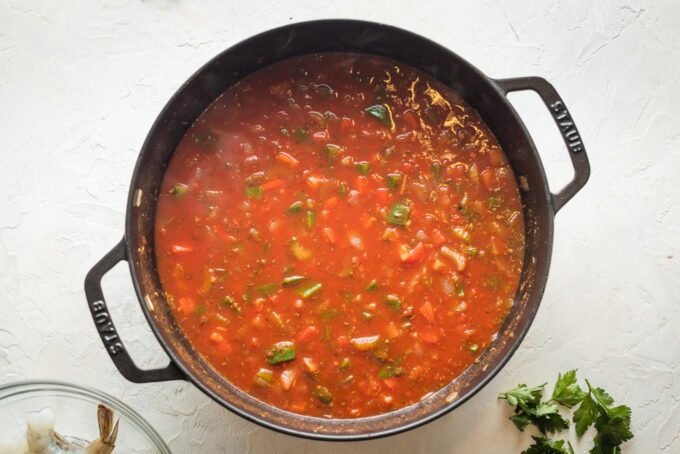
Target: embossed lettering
<point>101,318</point>
<point>107,328</point>
<point>566,125</point>
<point>111,337</point>
<point>116,348</point>
<point>557,106</point>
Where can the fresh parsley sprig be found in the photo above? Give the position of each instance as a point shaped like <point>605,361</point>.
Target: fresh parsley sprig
<point>595,408</point>
<point>543,445</point>
<point>611,423</point>
<point>545,415</point>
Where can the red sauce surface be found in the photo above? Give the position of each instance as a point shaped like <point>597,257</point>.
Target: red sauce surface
<point>353,213</point>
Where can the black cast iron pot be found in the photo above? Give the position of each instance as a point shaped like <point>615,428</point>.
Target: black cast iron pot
<point>487,96</point>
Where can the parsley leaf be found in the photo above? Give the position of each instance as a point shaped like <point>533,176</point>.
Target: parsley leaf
<point>613,429</point>
<point>595,408</point>
<point>523,395</point>
<point>567,392</point>
<point>601,396</point>
<point>585,415</point>
<point>520,421</point>
<point>530,410</point>
<point>544,446</point>
<point>547,418</point>
<point>612,423</point>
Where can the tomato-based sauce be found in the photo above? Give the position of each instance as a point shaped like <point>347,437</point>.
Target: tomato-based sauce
<point>339,235</point>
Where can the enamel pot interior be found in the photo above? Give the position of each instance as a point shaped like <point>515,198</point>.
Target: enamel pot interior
<point>248,56</point>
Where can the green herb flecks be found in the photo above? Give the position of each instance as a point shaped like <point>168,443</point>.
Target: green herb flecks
<point>300,135</point>
<point>310,290</point>
<point>399,214</point>
<point>383,113</point>
<point>362,167</point>
<point>373,285</point>
<point>179,189</point>
<point>290,281</point>
<point>294,208</point>
<point>254,192</point>
<point>280,352</point>
<point>310,219</point>
<point>392,180</point>
<point>393,301</point>
<point>266,290</point>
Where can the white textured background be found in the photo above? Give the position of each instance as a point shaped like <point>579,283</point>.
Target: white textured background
<point>82,81</point>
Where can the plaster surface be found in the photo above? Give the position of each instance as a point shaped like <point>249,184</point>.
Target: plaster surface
<point>82,81</point>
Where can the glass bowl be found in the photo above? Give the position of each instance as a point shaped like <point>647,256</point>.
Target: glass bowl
<point>75,414</point>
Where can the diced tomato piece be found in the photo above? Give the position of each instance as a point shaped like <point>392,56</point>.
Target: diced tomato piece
<point>257,321</point>
<point>487,178</point>
<point>330,202</point>
<point>179,249</point>
<point>411,118</point>
<point>495,157</point>
<point>186,305</point>
<point>427,311</point>
<point>329,234</point>
<point>437,237</point>
<point>457,170</point>
<point>392,331</point>
<point>429,337</point>
<point>287,159</point>
<point>307,333</point>
<point>414,255</point>
<point>346,123</point>
<point>361,184</point>
<point>342,341</point>
<point>273,184</point>
<point>367,221</point>
<point>391,382</point>
<point>382,194</point>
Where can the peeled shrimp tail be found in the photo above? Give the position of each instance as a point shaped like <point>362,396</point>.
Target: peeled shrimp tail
<point>103,445</point>
<point>107,435</point>
<point>104,419</point>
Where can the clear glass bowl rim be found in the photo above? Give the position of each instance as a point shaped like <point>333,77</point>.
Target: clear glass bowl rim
<point>34,387</point>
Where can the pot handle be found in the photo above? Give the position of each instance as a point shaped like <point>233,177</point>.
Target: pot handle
<point>107,331</point>
<point>563,120</point>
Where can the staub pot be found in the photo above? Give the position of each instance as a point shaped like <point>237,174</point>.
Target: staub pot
<point>486,95</point>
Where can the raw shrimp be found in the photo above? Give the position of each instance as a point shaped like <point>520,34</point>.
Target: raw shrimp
<point>42,439</point>
<point>39,430</point>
